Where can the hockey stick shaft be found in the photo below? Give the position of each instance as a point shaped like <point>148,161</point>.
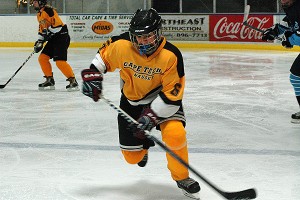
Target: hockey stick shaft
<point>245,194</point>
<point>3,86</point>
<point>245,22</point>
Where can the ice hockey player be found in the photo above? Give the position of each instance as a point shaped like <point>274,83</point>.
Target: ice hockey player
<point>292,36</point>
<point>152,86</point>
<point>53,31</point>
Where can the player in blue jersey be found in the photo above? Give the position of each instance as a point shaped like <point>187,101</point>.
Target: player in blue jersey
<point>292,37</point>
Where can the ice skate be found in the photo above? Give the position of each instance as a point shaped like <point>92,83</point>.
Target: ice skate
<point>190,188</point>
<point>144,161</point>
<point>296,118</point>
<point>73,85</point>
<point>49,84</point>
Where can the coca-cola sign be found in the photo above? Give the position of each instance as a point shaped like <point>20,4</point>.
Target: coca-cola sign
<point>231,28</point>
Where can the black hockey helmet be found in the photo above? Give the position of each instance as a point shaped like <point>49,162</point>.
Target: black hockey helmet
<point>146,23</point>
<point>42,4</point>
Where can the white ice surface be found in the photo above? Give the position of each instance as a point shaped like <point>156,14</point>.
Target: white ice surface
<point>60,145</point>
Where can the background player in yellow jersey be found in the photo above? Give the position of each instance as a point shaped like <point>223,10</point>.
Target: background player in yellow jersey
<point>53,30</point>
<point>152,86</point>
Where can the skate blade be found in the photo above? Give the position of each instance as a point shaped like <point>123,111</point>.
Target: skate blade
<point>72,89</point>
<point>295,121</point>
<point>191,195</point>
<point>47,88</point>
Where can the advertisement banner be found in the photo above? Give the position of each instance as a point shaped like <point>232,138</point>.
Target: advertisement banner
<point>186,27</point>
<point>93,28</point>
<point>231,28</point>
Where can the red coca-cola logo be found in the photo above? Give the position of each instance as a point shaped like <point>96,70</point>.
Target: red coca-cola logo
<point>231,28</point>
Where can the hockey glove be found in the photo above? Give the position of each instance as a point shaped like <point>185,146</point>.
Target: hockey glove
<point>38,46</point>
<point>147,121</point>
<point>270,34</point>
<point>92,83</point>
<point>286,43</point>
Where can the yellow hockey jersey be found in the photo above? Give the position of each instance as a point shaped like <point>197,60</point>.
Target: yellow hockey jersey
<point>49,19</point>
<point>143,78</point>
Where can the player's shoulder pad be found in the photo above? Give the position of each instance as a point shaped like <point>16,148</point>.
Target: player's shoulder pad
<point>180,67</point>
<point>49,11</point>
<point>123,36</point>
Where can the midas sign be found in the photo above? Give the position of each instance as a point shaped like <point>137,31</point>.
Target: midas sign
<point>102,27</point>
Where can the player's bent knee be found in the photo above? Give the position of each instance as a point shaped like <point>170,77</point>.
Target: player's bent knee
<point>174,134</point>
<point>43,58</point>
<point>133,157</point>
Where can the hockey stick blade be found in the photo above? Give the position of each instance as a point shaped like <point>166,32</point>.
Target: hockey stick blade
<point>246,13</point>
<point>240,195</point>
<point>3,86</point>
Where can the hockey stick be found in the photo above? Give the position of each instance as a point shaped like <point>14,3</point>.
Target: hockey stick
<point>240,195</point>
<point>3,86</point>
<point>245,22</point>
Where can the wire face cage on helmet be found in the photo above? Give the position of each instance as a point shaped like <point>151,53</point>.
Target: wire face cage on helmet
<point>145,31</point>
<point>146,43</point>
